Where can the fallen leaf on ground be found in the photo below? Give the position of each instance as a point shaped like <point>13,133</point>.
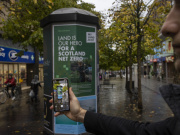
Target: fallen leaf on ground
<point>152,112</point>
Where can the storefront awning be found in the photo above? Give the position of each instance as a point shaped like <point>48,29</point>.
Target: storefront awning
<point>166,55</point>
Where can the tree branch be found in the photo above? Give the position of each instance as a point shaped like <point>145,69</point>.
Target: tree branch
<point>145,6</point>
<point>147,18</point>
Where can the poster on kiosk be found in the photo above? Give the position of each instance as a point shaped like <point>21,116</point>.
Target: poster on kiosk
<point>74,57</point>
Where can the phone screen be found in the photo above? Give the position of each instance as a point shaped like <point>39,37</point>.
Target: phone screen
<point>61,94</point>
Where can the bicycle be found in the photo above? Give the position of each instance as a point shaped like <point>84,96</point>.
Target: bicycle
<point>4,95</point>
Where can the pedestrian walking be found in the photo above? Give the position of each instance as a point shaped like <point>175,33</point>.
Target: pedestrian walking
<point>107,125</point>
<point>144,73</point>
<point>105,75</point>
<point>34,86</point>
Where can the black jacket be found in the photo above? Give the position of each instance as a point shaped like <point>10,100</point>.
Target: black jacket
<point>100,124</point>
<point>34,86</point>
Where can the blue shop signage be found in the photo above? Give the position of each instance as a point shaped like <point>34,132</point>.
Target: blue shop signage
<point>159,60</point>
<point>163,58</point>
<point>9,55</point>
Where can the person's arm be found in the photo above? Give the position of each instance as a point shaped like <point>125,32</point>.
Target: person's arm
<point>31,86</point>
<point>12,82</point>
<point>100,124</point>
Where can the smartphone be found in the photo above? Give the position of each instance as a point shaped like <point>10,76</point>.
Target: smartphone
<point>61,100</point>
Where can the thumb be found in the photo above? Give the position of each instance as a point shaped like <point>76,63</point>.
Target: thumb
<point>71,93</point>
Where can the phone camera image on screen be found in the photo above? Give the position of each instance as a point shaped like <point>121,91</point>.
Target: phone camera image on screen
<point>61,95</point>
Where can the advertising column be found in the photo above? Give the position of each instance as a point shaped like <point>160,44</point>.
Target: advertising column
<point>70,51</point>
<point>74,57</point>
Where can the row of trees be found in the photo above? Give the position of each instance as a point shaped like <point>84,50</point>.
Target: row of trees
<point>132,35</point>
<point>20,20</point>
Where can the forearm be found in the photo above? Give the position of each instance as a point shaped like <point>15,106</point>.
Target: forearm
<point>107,125</point>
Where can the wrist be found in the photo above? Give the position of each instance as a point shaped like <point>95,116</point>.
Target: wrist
<point>81,115</point>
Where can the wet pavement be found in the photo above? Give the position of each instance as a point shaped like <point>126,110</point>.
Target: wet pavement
<point>118,102</point>
<point>21,117</point>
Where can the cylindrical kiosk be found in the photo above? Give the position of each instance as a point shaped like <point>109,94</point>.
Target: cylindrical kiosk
<point>70,51</point>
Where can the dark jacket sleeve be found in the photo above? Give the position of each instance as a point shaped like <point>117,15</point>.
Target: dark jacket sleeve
<point>100,124</point>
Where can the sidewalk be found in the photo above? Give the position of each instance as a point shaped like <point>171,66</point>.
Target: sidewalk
<point>25,87</point>
<point>117,102</point>
<point>21,117</point>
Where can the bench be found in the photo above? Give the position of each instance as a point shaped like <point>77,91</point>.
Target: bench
<point>106,82</point>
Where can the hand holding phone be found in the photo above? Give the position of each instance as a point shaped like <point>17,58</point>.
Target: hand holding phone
<point>76,113</point>
<point>61,94</point>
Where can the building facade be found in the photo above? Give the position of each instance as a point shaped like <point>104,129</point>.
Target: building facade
<point>162,62</point>
<point>20,66</point>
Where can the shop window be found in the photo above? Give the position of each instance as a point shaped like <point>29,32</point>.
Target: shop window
<point>5,72</point>
<point>11,68</point>
<point>22,72</point>
<point>16,72</point>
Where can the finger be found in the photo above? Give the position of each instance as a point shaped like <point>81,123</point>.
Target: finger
<point>56,114</point>
<point>51,107</point>
<point>51,101</point>
<point>51,93</point>
<point>60,113</point>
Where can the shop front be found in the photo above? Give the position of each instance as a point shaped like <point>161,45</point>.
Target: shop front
<point>170,66</point>
<point>17,69</point>
<point>17,65</point>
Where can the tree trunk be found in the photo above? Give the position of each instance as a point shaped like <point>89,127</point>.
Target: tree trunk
<point>36,64</point>
<point>126,74</point>
<point>130,70</point>
<point>139,73</point>
<point>120,74</point>
<point>130,63</point>
<point>140,106</point>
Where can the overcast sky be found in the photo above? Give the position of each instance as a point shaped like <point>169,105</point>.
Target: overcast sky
<point>103,5</point>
